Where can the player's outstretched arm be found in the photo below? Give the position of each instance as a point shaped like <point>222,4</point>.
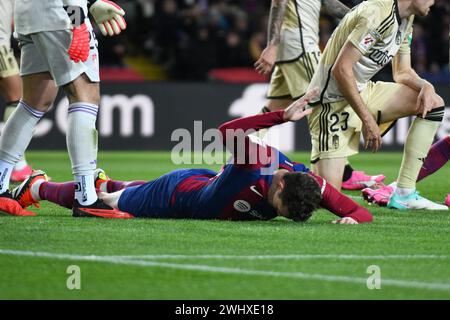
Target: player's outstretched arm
<point>267,59</point>
<point>341,205</point>
<point>296,111</point>
<point>299,109</point>
<point>108,16</point>
<point>335,8</point>
<point>342,71</point>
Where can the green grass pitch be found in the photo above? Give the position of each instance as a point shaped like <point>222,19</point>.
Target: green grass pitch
<point>188,259</point>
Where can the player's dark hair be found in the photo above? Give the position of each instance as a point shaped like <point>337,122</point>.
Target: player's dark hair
<point>301,195</point>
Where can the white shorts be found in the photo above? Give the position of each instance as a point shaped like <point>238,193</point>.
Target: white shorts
<point>47,51</point>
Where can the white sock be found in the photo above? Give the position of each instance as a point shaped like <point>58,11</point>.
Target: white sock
<point>35,190</point>
<point>82,147</point>
<point>15,138</point>
<point>5,174</point>
<point>104,186</point>
<point>404,191</point>
<point>85,190</point>
<point>21,164</point>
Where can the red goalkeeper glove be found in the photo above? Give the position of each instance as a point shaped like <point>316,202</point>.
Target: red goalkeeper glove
<point>80,47</point>
<point>80,44</point>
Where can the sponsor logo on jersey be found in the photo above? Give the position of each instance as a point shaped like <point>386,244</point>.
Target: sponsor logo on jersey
<point>257,215</point>
<point>380,57</point>
<point>253,188</point>
<point>242,206</point>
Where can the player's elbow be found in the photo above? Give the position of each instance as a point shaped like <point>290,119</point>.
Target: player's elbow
<point>401,76</point>
<point>340,71</point>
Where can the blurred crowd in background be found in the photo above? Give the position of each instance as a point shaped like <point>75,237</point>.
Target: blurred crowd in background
<point>188,38</point>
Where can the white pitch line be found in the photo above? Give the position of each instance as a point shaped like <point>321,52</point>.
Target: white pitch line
<point>227,270</point>
<point>287,257</point>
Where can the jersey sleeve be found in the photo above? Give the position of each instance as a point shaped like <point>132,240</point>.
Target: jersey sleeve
<point>405,47</point>
<point>365,32</point>
<point>248,150</point>
<point>341,205</point>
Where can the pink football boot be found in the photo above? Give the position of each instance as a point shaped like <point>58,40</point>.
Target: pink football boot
<point>22,174</point>
<point>447,200</point>
<point>359,180</point>
<point>378,196</point>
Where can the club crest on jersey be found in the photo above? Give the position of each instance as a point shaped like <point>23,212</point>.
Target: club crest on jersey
<point>336,141</point>
<point>242,206</point>
<point>398,38</point>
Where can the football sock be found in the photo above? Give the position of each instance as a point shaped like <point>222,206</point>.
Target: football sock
<point>21,164</point>
<point>5,174</point>
<point>418,142</point>
<point>15,138</point>
<point>10,107</point>
<point>438,155</point>
<point>348,171</point>
<point>404,191</point>
<point>113,186</point>
<point>82,146</point>
<point>85,189</point>
<point>59,193</point>
<point>35,189</point>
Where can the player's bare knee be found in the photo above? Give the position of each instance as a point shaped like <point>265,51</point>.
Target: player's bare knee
<point>40,103</point>
<point>439,102</point>
<point>83,90</point>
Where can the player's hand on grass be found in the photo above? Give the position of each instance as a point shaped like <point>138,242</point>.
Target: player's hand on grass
<point>108,16</point>
<point>372,135</point>
<point>266,61</point>
<point>426,100</point>
<point>79,46</point>
<point>298,109</point>
<point>346,220</point>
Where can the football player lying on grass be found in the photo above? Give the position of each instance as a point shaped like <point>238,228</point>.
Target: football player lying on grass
<point>437,157</point>
<point>259,182</point>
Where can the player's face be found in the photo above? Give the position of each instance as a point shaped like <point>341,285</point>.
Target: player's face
<point>422,7</point>
<point>278,203</point>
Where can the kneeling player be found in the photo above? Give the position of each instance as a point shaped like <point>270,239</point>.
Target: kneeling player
<point>240,191</point>
<point>350,104</point>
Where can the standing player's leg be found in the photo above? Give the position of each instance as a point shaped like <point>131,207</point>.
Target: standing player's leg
<point>332,170</point>
<point>39,92</point>
<point>418,141</point>
<point>11,92</point>
<point>84,98</point>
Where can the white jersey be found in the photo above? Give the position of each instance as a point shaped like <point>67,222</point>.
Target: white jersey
<point>6,15</point>
<point>300,29</point>
<point>33,16</point>
<point>377,30</point>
